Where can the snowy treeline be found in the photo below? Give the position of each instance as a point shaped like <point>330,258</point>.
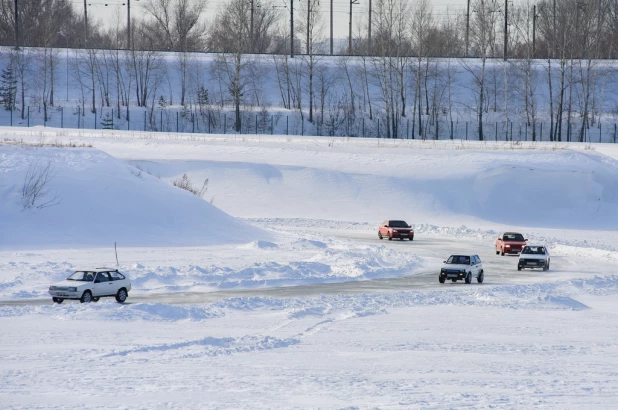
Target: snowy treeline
<point>385,96</point>
<point>544,29</point>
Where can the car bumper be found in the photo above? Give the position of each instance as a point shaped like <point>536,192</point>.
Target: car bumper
<point>453,275</point>
<point>63,294</point>
<point>532,265</point>
<point>402,235</point>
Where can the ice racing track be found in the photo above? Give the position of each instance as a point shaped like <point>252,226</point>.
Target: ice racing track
<point>499,271</point>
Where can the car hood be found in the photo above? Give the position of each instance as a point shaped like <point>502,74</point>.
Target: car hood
<point>532,256</point>
<point>455,266</point>
<point>72,283</point>
<point>522,243</point>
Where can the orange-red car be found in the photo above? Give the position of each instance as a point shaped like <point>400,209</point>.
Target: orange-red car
<point>395,229</point>
<point>510,242</point>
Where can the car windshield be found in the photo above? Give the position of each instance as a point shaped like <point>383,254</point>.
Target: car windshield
<point>82,276</point>
<point>513,237</point>
<point>458,260</point>
<point>533,250</point>
<point>397,224</point>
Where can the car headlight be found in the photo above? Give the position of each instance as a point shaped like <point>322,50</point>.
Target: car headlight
<point>52,288</point>
<point>507,246</point>
<point>72,289</point>
<point>463,271</point>
<point>442,270</point>
<point>395,230</point>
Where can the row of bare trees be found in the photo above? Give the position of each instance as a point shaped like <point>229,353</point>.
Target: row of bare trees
<point>541,29</point>
<point>401,83</point>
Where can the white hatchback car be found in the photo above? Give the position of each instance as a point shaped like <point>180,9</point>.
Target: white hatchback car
<point>464,267</point>
<point>533,256</point>
<point>89,285</point>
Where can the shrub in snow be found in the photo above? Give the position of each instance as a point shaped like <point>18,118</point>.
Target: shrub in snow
<point>37,191</point>
<point>184,182</point>
<point>107,122</point>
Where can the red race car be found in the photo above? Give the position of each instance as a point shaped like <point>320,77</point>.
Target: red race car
<point>510,242</point>
<point>395,229</point>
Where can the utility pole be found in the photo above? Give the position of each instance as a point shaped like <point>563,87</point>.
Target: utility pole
<point>352,2</point>
<point>85,23</point>
<point>251,36</point>
<point>16,26</point>
<point>369,34</point>
<point>468,29</point>
<point>308,23</point>
<point>331,27</point>
<point>506,28</point>
<point>553,49</point>
<point>292,28</point>
<point>129,24</point>
<point>533,31</point>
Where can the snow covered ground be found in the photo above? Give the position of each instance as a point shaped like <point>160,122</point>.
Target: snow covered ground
<point>303,213</point>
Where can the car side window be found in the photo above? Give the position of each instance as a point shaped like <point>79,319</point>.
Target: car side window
<point>102,277</point>
<point>478,260</point>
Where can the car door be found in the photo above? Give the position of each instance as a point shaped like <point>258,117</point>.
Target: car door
<point>473,265</point>
<point>478,265</point>
<point>103,285</point>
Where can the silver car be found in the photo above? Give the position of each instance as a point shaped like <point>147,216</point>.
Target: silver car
<point>533,257</point>
<point>89,285</point>
<point>462,267</point>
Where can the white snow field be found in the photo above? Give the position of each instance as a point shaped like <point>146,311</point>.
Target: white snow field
<point>273,291</point>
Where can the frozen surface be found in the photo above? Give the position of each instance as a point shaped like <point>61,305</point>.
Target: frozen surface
<point>304,213</point>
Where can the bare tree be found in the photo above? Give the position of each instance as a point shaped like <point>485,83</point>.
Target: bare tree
<point>37,190</point>
<point>483,40</point>
<point>312,24</point>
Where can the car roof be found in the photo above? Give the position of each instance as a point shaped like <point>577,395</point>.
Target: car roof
<point>536,245</point>
<point>464,254</point>
<point>97,270</point>
<point>511,233</point>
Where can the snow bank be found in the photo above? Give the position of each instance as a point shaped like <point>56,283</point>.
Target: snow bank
<point>101,200</point>
<point>547,189</point>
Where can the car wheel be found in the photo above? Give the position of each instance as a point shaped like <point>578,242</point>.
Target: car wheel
<point>468,279</point>
<point>481,277</point>
<point>441,279</point>
<point>453,280</point>
<point>548,264</point>
<point>545,267</point>
<point>95,299</point>
<point>390,237</point>
<point>411,238</point>
<point>121,296</point>
<point>57,300</point>
<point>86,297</point>
<point>379,235</point>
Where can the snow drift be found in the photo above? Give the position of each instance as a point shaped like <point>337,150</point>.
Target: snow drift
<point>564,189</point>
<point>101,200</point>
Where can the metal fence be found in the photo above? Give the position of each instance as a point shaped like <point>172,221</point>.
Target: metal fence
<point>208,121</point>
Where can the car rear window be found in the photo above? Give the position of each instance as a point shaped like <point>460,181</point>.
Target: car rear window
<point>116,275</point>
